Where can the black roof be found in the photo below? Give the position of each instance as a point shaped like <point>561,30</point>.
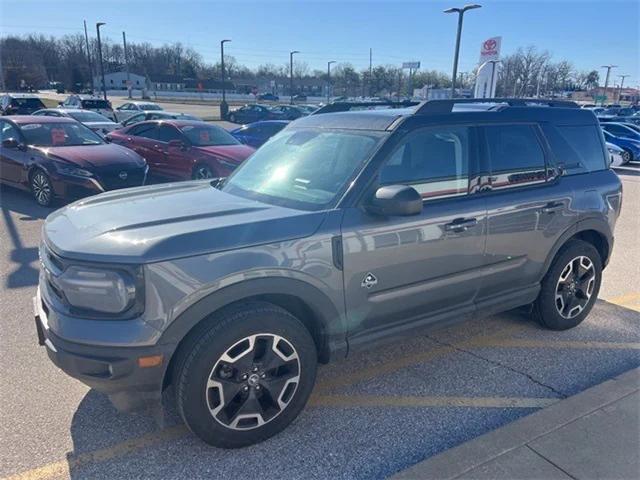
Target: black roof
<point>458,110</point>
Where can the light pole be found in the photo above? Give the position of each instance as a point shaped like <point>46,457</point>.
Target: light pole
<point>621,77</point>
<point>606,81</point>
<point>104,86</point>
<point>126,62</point>
<point>291,74</point>
<point>460,12</point>
<point>329,79</point>
<point>86,38</point>
<point>224,107</point>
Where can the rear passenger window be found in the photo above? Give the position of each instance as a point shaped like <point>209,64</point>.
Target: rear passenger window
<point>577,149</point>
<point>146,131</point>
<point>515,156</point>
<point>434,161</point>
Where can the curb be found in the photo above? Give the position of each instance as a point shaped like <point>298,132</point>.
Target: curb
<point>458,460</point>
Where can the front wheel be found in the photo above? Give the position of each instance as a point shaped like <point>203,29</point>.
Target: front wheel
<point>626,157</point>
<point>41,188</point>
<point>246,377</point>
<point>570,288</point>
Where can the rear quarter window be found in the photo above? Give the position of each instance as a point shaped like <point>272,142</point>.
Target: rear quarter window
<point>577,148</point>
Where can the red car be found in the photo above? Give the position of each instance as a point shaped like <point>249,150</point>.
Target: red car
<point>60,157</point>
<point>183,149</point>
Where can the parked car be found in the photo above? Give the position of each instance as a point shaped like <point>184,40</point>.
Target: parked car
<point>616,154</point>
<point>630,147</point>
<point>301,97</point>
<point>183,149</point>
<point>342,231</point>
<point>90,102</point>
<point>157,115</point>
<point>621,130</point>
<point>289,112</point>
<point>630,121</point>
<point>126,110</point>
<point>257,133</point>
<point>96,122</point>
<point>20,104</point>
<point>253,113</point>
<point>268,97</point>
<point>58,157</point>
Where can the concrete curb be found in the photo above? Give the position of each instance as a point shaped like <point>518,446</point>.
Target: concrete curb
<point>463,458</point>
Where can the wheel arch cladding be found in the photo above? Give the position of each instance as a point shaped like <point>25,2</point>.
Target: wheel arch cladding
<point>303,301</point>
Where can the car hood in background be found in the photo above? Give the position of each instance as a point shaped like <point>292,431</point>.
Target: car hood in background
<point>86,156</point>
<point>229,152</point>
<point>162,222</point>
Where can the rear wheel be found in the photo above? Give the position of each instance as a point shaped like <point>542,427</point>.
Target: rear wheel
<point>626,156</point>
<point>201,172</point>
<point>247,376</point>
<point>41,188</point>
<point>571,286</point>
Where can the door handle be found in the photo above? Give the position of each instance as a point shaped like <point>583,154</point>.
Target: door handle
<point>552,207</point>
<point>460,224</point>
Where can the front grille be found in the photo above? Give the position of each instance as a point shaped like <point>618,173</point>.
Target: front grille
<point>111,178</point>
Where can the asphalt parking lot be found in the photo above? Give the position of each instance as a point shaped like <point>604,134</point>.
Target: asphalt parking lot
<point>370,416</point>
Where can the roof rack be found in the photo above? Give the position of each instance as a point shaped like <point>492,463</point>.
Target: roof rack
<point>436,107</point>
<point>347,106</point>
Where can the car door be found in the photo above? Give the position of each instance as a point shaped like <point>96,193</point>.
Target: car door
<point>142,139</point>
<point>408,270</point>
<point>528,208</point>
<point>176,162</point>
<point>12,160</point>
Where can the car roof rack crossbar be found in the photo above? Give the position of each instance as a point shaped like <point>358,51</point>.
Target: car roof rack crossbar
<point>347,106</point>
<point>436,107</point>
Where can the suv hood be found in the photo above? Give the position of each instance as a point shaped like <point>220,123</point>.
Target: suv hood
<point>161,222</point>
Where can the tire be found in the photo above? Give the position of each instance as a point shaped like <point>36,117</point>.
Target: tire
<point>626,157</point>
<point>41,188</point>
<point>570,287</point>
<point>201,172</point>
<point>261,357</point>
<point>232,118</point>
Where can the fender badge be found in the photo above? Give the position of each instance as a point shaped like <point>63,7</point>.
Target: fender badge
<point>369,281</point>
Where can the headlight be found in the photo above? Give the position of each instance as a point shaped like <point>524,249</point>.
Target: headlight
<point>74,171</point>
<point>93,289</point>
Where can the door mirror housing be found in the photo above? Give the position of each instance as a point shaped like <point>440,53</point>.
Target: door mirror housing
<point>395,201</point>
<point>10,143</point>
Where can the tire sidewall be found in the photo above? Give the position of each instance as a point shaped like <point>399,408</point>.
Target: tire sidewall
<point>547,311</point>
<point>191,387</point>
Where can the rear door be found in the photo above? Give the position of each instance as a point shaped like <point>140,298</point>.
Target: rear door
<point>407,270</point>
<point>175,162</point>
<point>142,139</point>
<point>528,207</point>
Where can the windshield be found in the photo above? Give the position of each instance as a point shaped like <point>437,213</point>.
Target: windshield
<point>28,102</point>
<point>303,168</point>
<point>59,135</point>
<point>88,117</point>
<point>208,135</point>
<point>149,106</point>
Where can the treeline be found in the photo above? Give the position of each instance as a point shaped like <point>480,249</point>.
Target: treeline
<point>36,60</point>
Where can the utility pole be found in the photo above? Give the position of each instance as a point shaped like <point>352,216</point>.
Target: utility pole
<point>460,12</point>
<point>2,85</point>
<point>606,81</point>
<point>370,70</point>
<point>621,77</point>
<point>126,63</point>
<point>541,73</point>
<point>104,85</point>
<point>329,80</point>
<point>291,75</point>
<point>86,39</point>
<point>224,107</point>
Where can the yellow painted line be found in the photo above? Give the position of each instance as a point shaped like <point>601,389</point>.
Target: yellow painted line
<point>63,468</point>
<point>524,343</point>
<point>420,401</point>
<point>629,298</point>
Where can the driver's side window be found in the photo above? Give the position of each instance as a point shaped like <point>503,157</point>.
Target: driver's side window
<point>7,131</point>
<point>435,161</point>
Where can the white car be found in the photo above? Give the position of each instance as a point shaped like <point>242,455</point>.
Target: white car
<point>89,102</point>
<point>615,153</point>
<point>96,122</point>
<point>129,109</point>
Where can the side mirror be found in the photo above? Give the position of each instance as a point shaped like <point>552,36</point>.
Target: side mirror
<point>10,143</point>
<point>395,201</point>
<point>177,144</point>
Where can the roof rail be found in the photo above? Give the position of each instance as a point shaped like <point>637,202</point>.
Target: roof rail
<point>435,107</point>
<point>347,106</point>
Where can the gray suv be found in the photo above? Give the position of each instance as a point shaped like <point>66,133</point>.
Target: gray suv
<point>344,229</point>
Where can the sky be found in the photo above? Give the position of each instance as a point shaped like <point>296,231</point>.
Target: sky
<point>589,33</point>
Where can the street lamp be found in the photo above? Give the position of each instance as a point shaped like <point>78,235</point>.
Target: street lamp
<point>104,86</point>
<point>329,79</point>
<point>291,74</point>
<point>224,107</point>
<point>460,12</point>
<point>621,77</point>
<point>606,81</point>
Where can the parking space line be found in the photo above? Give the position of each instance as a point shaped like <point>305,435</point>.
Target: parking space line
<point>627,299</point>
<point>428,401</point>
<point>567,344</point>
<point>63,467</point>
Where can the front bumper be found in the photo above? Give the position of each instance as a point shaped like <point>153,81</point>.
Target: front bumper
<point>114,371</point>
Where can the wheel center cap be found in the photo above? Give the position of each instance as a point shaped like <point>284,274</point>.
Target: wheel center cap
<point>253,379</point>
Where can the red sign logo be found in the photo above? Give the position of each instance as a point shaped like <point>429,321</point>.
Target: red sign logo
<point>490,45</point>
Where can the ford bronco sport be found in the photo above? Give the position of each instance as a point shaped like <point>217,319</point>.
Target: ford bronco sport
<point>344,229</point>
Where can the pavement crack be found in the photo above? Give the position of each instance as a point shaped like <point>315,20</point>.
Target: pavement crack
<point>498,364</point>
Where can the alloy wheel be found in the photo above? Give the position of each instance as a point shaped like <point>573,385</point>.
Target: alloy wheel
<point>41,188</point>
<point>253,381</point>
<point>626,156</point>
<point>575,287</point>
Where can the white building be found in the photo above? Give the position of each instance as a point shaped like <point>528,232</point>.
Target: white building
<point>118,81</point>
